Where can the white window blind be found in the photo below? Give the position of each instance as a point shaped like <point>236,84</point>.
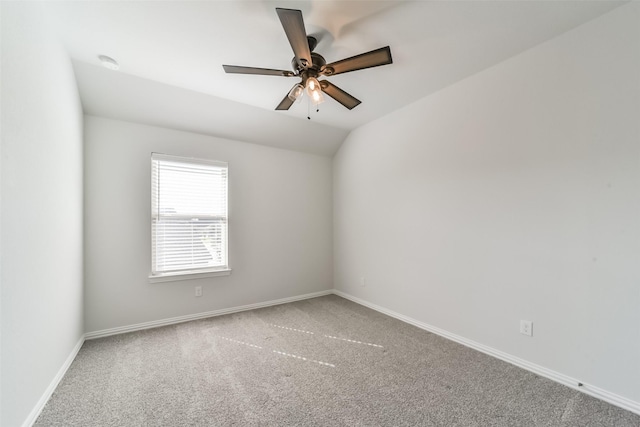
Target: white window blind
<point>189,224</point>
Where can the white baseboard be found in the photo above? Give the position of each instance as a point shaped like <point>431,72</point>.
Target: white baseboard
<point>573,383</point>
<point>35,412</point>
<point>181,319</point>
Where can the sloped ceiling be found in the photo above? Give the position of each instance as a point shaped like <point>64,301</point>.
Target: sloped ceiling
<point>171,55</point>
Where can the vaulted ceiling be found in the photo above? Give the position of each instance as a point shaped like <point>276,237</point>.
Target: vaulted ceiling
<point>171,55</point>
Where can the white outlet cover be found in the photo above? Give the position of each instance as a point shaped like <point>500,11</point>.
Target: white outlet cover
<point>526,327</point>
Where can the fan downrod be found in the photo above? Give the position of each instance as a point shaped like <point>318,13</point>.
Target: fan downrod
<point>313,42</point>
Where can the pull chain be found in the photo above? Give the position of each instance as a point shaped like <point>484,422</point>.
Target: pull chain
<point>309,108</point>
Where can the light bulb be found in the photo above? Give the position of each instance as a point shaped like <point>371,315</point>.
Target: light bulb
<point>314,91</point>
<point>317,97</point>
<point>312,85</point>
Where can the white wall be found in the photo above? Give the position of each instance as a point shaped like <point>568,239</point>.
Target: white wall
<point>514,194</point>
<point>41,242</point>
<point>280,215</point>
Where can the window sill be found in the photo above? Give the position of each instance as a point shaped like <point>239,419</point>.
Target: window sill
<point>186,275</point>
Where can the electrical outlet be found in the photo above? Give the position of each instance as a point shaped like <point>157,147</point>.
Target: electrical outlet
<point>526,327</point>
<point>363,282</point>
<point>198,291</point>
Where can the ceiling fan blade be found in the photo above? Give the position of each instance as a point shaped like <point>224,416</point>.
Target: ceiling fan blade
<point>374,58</point>
<point>236,69</point>
<point>339,95</point>
<point>286,103</point>
<point>293,25</point>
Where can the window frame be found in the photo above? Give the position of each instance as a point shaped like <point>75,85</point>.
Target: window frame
<point>196,273</point>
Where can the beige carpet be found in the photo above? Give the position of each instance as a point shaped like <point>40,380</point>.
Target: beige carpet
<point>320,362</point>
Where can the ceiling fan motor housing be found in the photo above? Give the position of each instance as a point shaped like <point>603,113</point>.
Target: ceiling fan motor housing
<point>318,63</point>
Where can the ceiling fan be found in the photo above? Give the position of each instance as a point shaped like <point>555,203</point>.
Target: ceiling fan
<point>309,65</point>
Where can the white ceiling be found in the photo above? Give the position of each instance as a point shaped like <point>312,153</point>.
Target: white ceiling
<point>171,55</point>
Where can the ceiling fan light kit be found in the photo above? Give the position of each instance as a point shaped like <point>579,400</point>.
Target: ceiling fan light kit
<point>309,65</point>
<point>295,94</point>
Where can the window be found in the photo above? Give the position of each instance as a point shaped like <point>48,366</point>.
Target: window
<point>189,224</point>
